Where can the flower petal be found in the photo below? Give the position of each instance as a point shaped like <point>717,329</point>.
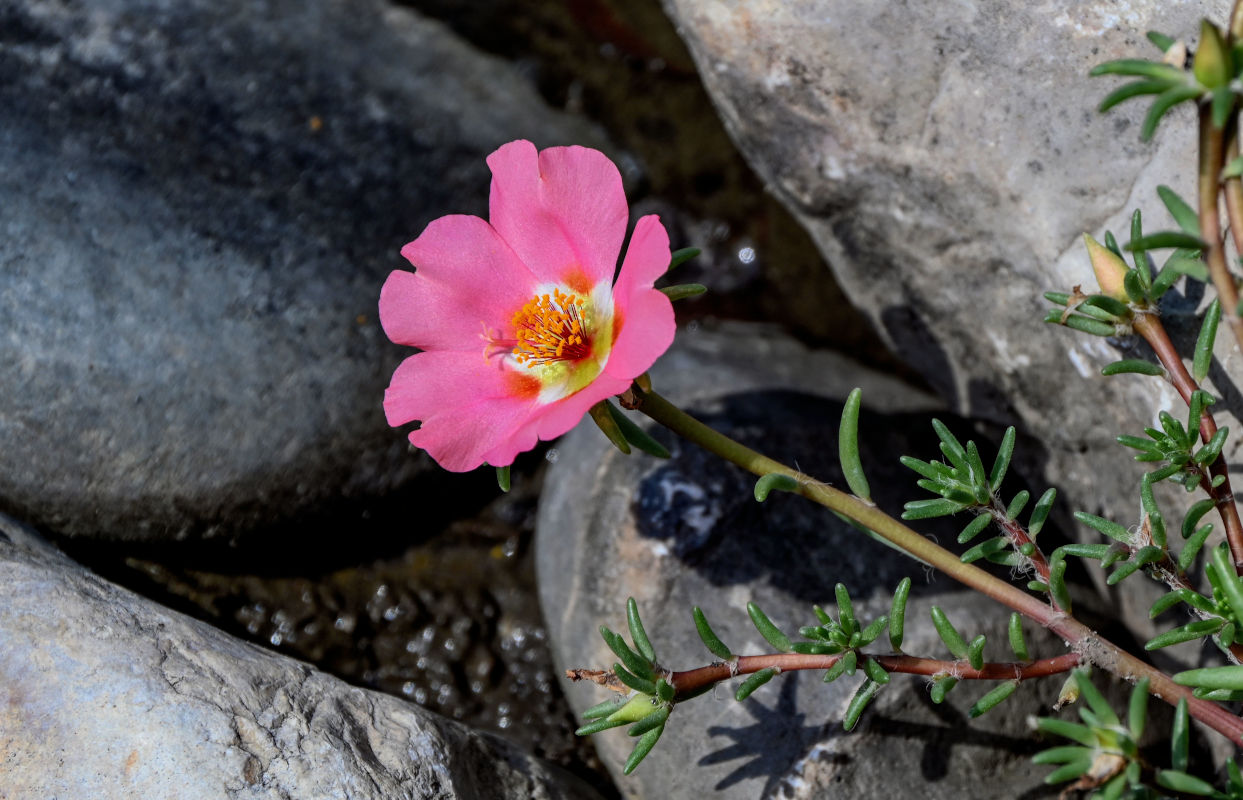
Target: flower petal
<point>467,405</point>
<point>563,211</point>
<point>467,276</point>
<point>556,418</point>
<point>644,314</point>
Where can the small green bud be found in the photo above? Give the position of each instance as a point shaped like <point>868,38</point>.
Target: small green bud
<point>640,707</point>
<point>1212,65</point>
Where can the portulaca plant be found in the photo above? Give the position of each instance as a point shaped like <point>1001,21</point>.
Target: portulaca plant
<point>523,330</point>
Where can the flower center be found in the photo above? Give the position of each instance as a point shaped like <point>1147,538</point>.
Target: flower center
<point>551,328</point>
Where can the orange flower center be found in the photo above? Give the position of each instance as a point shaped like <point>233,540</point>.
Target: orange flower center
<point>551,328</point>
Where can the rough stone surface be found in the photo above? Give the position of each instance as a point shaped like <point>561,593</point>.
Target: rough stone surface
<point>106,695</point>
<point>947,158</point>
<point>201,201</point>
<point>687,532</point>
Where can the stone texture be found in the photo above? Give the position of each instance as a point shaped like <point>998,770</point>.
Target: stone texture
<point>201,201</point>
<point>687,532</point>
<point>947,158</point>
<point>104,694</point>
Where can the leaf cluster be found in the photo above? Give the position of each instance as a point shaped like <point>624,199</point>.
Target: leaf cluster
<point>1211,78</point>
<point>652,696</point>
<point>1105,756</point>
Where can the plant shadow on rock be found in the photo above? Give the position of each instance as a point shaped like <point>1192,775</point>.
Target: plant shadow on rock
<point>708,517</point>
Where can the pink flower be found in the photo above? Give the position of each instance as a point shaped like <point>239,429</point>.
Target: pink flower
<point>520,323</point>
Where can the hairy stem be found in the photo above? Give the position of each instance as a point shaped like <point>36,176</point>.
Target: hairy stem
<point>1212,158</point>
<point>692,679</point>
<point>1078,637</point>
<point>1149,326</point>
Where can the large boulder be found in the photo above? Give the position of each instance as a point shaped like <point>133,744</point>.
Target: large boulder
<point>946,158</point>
<point>201,200</point>
<point>104,694</point>
<point>685,532</point>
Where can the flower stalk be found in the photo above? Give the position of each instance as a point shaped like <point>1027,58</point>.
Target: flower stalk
<point>1082,641</point>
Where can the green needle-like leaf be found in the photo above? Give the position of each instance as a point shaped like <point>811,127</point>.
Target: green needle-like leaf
<point>1137,66</point>
<point>633,661</point>
<point>836,671</point>
<point>1069,771</point>
<point>602,414</point>
<point>1204,343</point>
<point>771,633</point>
<point>1132,89</point>
<point>774,480</point>
<point>875,671</point>
<point>646,742</point>
<point>1041,512</point>
<point>859,702</point>
<point>1137,711</point>
<point>1227,579</point>
<point>926,509</point>
<point>1002,462</point>
<point>654,720</point>
<point>682,291</point>
<point>1017,504</point>
<point>640,685</point>
<point>600,725</point>
<point>602,709</point>
<point>1180,210</point>
<point>1180,737</point>
<point>637,634</point>
<point>845,609</point>
<point>709,637</point>
<point>869,634</point>
<point>1166,240</point>
<point>1189,632</point>
<point>1162,41</point>
<point>974,528</point>
<point>1111,529</point>
<point>1184,783</point>
<point>636,435</point>
<point>949,634</point>
<point>1230,677</point>
<point>1067,730</point>
<point>1017,643</point>
<point>848,447</point>
<point>1132,365</point>
<point>1221,106</point>
<point>1192,548</point>
<point>897,614</point>
<point>754,681</point>
<point>1163,103</point>
<point>993,699</point>
<point>680,257</point>
<point>502,478</point>
<point>975,652</point>
<point>940,687</point>
<point>1096,701</point>
<point>1057,582</point>
<point>985,549</point>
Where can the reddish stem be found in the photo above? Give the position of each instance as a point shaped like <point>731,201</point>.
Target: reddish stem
<point>693,679</point>
<point>1149,326</point>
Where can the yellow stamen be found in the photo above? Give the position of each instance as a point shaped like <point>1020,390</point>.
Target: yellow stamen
<point>551,328</point>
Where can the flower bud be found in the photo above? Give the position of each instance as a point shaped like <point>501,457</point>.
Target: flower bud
<point>1109,268</point>
<point>1212,65</point>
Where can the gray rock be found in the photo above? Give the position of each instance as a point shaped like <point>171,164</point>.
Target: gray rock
<point>947,158</point>
<point>688,532</point>
<point>104,694</point>
<point>201,201</point>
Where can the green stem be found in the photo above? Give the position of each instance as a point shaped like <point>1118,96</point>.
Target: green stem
<point>1079,638</point>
